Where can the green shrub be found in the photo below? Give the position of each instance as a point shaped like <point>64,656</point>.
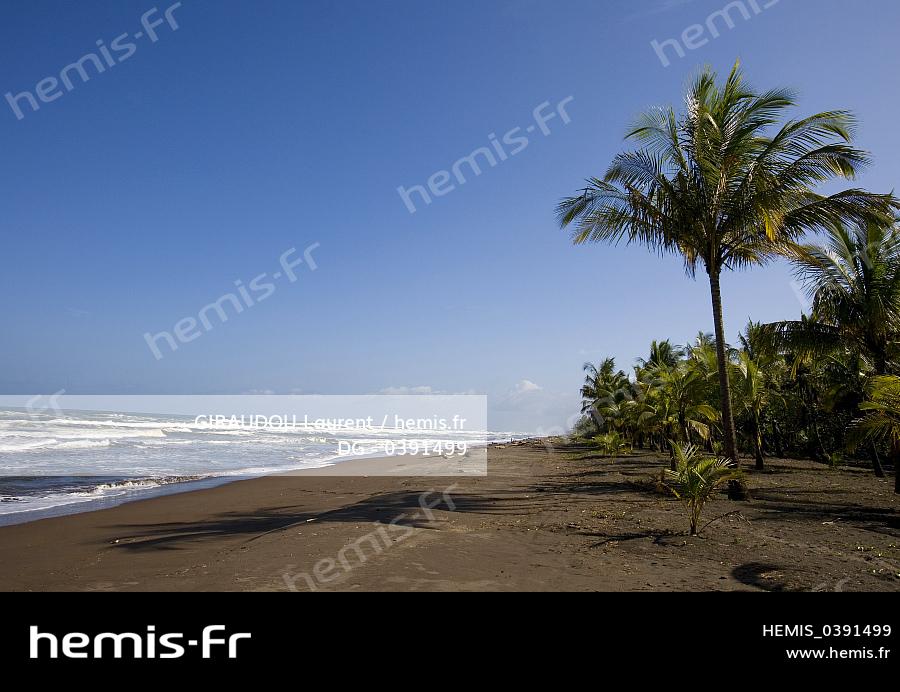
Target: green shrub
<point>612,444</point>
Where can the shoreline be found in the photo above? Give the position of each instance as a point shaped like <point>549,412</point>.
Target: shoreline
<point>540,520</point>
<point>97,504</point>
<point>349,466</point>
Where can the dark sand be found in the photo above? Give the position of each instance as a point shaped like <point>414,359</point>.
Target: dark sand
<point>539,521</point>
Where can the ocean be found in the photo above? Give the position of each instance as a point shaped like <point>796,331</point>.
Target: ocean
<point>52,464</point>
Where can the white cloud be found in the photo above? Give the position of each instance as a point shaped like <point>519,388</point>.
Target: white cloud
<point>424,390</point>
<point>525,394</point>
<point>528,407</point>
<point>523,386</point>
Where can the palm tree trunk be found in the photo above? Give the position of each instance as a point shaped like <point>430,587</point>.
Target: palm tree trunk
<point>776,437</point>
<point>735,489</point>
<point>895,453</point>
<point>821,453</point>
<point>758,444</point>
<point>881,369</point>
<point>876,462</point>
<point>895,457</point>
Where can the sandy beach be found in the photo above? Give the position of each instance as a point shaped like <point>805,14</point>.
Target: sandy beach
<point>543,519</point>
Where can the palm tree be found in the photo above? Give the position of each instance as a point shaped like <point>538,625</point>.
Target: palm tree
<point>678,391</point>
<point>753,394</point>
<point>807,388</point>
<point>847,376</point>
<point>602,386</point>
<point>756,370</point>
<point>882,419</point>
<point>661,353</point>
<point>854,282</point>
<point>724,189</point>
<point>694,478</point>
<point>757,342</point>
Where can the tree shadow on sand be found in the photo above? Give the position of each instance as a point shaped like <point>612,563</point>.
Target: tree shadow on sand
<point>881,520</point>
<point>660,537</point>
<point>403,508</point>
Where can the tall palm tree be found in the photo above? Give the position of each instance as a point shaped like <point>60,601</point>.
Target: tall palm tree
<point>724,187</point>
<point>854,282</point>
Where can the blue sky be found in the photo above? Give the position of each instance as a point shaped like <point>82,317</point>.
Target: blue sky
<point>141,196</point>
